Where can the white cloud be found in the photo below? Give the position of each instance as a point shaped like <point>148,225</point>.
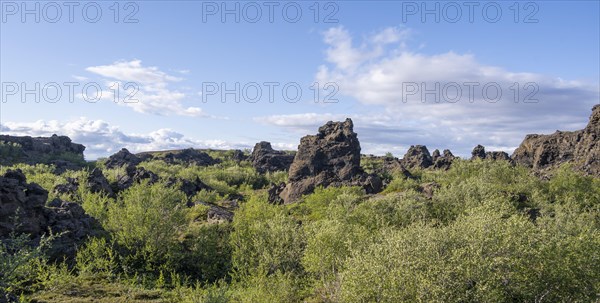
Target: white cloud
<point>144,89</point>
<point>102,139</point>
<point>376,75</point>
<point>80,78</point>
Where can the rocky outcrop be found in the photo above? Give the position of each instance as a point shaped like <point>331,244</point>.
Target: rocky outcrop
<point>122,158</point>
<point>442,161</point>
<point>480,153</point>
<point>96,182</point>
<point>265,159</point>
<point>581,148</point>
<point>22,211</point>
<point>56,150</point>
<point>417,156</point>
<point>330,158</point>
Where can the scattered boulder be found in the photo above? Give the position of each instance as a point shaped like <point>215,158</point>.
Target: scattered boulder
<point>22,211</point>
<point>216,214</point>
<point>582,148</point>
<point>122,158</point>
<point>332,157</point>
<point>265,159</point>
<point>480,153</point>
<point>417,156</point>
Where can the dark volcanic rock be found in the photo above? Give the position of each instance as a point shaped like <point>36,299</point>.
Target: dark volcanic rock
<point>216,214</point>
<point>582,148</point>
<point>21,205</point>
<point>265,159</point>
<point>57,150</point>
<point>417,156</point>
<point>96,182</point>
<point>122,158</point>
<point>69,188</point>
<point>480,153</point>
<point>190,156</point>
<point>274,192</point>
<point>332,157</point>
<point>22,211</point>
<point>135,175</point>
<point>238,155</point>
<point>442,161</point>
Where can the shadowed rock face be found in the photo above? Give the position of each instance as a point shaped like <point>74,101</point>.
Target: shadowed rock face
<point>23,211</point>
<point>331,157</point>
<point>581,148</point>
<point>265,159</point>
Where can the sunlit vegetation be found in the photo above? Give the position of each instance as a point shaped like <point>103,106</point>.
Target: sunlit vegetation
<point>490,232</point>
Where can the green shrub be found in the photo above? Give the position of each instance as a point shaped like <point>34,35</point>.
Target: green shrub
<point>265,239</point>
<point>146,220</point>
<point>327,203</point>
<point>482,257</point>
<point>393,210</point>
<point>277,288</point>
<point>21,263</point>
<point>328,245</point>
<point>97,259</point>
<point>206,252</point>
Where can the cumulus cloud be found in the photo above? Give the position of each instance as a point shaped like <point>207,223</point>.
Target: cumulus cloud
<point>144,89</point>
<point>103,139</point>
<point>446,99</point>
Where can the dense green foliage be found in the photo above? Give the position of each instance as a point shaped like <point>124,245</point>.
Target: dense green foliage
<point>490,232</point>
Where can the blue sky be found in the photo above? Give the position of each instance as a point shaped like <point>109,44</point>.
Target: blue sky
<point>373,53</point>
